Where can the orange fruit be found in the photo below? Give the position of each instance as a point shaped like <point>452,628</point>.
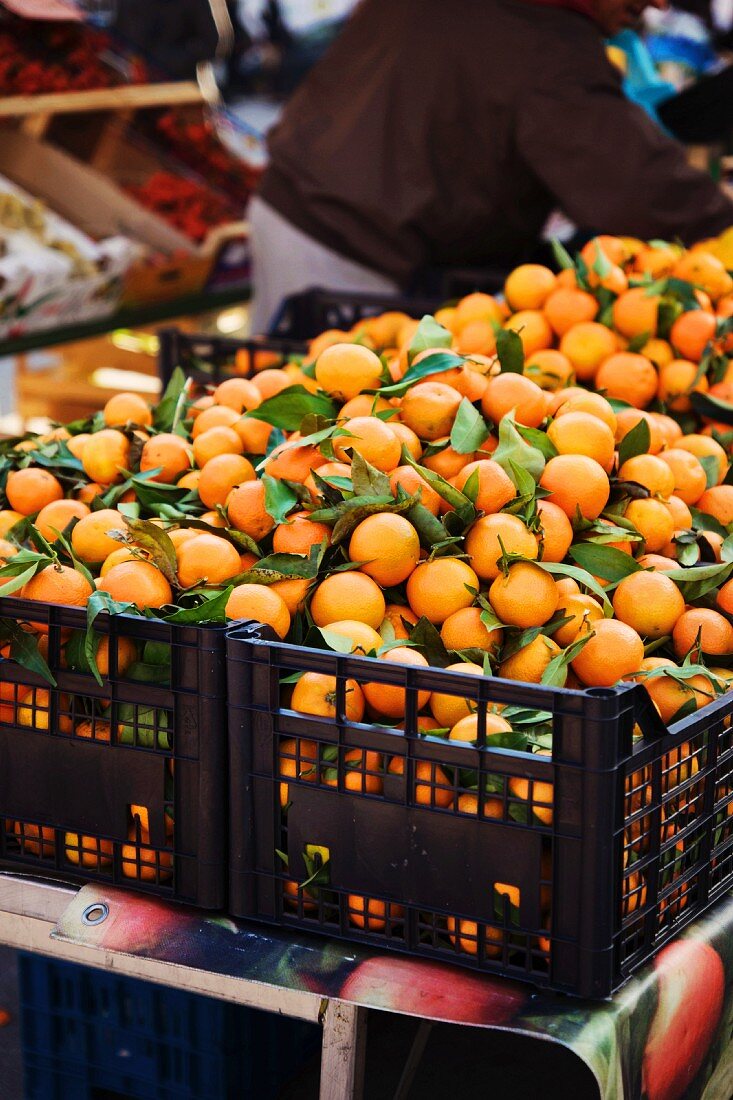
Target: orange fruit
<point>653,520</point>
<point>345,370</point>
<point>298,534</point>
<point>702,446</point>
<point>35,840</point>
<point>533,329</point>
<point>91,540</point>
<point>239,394</point>
<point>89,492</point>
<point>258,602</point>
<point>669,429</point>
<point>528,664</point>
<point>636,312</point>
<point>476,338</point>
<point>464,934</point>
<point>395,617</point>
<point>207,559</point>
<point>218,416</point>
<point>293,592</point>
<point>576,482</point>
<point>8,519</point>
<point>477,307</point>
<point>465,630</point>
<point>669,694</point>
<point>659,351</point>
<point>483,542</point>
<point>714,631</point>
<point>514,392</point>
<point>614,651</point>
<point>254,434</point>
<point>529,286</point>
<point>627,419</point>
<point>88,851</point>
<point>168,453</point>
<point>388,546</point>
<point>315,693</point>
<point>293,462</point>
<point>364,639</point>
<point>127,408</point>
<point>677,381</point>
<point>628,377</point>
<point>549,369</point>
<point>105,456</point>
<point>29,490</point>
<point>524,596</point>
<point>586,402</point>
<point>580,433</point>
<point>568,306</point>
<point>137,582</point>
<point>328,472</point>
<point>705,271</point>
<point>374,441</point>
<point>690,480</point>
<point>76,443</point>
<point>429,409</point>
<point>718,502</point>
<point>724,598</point>
<point>495,487</point>
<point>583,610</point>
<point>432,787</point>
<point>448,709</point>
<point>649,471</point>
<point>650,603</point>
<point>446,462</point>
<point>246,510</point>
<point>297,759</point>
<point>372,914</point>
<point>413,483</point>
<point>57,515</point>
<point>605,247</point>
<point>467,729</point>
<point>270,382</point>
<point>691,333</point>
<point>350,595</point>
<point>216,441</point>
<point>407,438</point>
<point>680,513</point>
<point>223,473</point>
<point>388,700</point>
<point>435,589</point>
<point>57,584</point>
<point>586,346</point>
<point>555,534</point>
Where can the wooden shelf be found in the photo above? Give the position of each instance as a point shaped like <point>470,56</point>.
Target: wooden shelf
<point>125,97</point>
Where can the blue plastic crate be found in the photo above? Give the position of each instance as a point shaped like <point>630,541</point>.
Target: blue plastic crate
<point>88,1033</point>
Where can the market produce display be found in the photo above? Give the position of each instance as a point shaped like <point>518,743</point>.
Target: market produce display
<point>535,490</point>
<point>189,206</point>
<point>192,137</point>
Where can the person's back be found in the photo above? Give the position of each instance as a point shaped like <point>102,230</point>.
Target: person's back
<point>434,133</point>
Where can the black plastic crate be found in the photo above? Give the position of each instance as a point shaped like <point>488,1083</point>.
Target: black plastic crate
<point>306,315</point>
<point>569,870</point>
<point>209,360</point>
<point>88,1033</point>
<point>122,782</point>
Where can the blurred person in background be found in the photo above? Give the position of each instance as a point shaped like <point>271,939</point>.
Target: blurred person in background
<point>173,34</point>
<point>436,134</point>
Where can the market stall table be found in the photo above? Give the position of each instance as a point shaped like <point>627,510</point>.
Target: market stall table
<point>668,1033</point>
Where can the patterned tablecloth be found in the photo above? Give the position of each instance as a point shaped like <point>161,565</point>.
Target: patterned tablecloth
<point>668,1035</point>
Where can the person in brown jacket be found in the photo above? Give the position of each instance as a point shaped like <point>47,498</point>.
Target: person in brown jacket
<point>437,133</point>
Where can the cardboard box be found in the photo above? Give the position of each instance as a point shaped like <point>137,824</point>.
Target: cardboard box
<point>166,267</point>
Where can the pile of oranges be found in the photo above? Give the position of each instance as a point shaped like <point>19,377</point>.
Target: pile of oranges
<point>536,488</point>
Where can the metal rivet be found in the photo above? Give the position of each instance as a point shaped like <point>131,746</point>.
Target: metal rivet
<point>96,913</point>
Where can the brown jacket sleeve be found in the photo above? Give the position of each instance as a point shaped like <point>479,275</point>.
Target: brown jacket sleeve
<point>607,164</point>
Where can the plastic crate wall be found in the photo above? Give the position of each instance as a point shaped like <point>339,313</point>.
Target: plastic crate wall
<point>567,870</point>
<point>87,1033</point>
<point>209,360</point>
<point>122,781</point>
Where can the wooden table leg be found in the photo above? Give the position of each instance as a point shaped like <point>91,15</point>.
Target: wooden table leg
<point>343,1052</point>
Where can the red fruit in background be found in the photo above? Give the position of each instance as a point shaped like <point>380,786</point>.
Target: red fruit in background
<point>691,985</point>
<point>434,991</point>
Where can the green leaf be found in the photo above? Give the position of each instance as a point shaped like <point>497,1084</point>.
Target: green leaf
<point>726,550</point>
<point>24,649</point>
<point>469,429</point>
<point>697,581</point>
<point>425,637</point>
<point>709,464</point>
<point>458,501</point>
<point>349,514</point>
<point>635,442</point>
<point>510,351</point>
<point>158,544</point>
<point>98,603</point>
<point>604,561</point>
<point>713,407</point>
<point>428,526</point>
<point>279,498</point>
<point>583,577</point>
<point>366,480</point>
<point>429,334</point>
<point>513,450</point>
<point>704,522</point>
<point>540,440</point>
<point>287,409</point>
<point>561,254</point>
<point>167,409</point>
<point>556,673</point>
<point>210,610</point>
<point>431,364</point>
